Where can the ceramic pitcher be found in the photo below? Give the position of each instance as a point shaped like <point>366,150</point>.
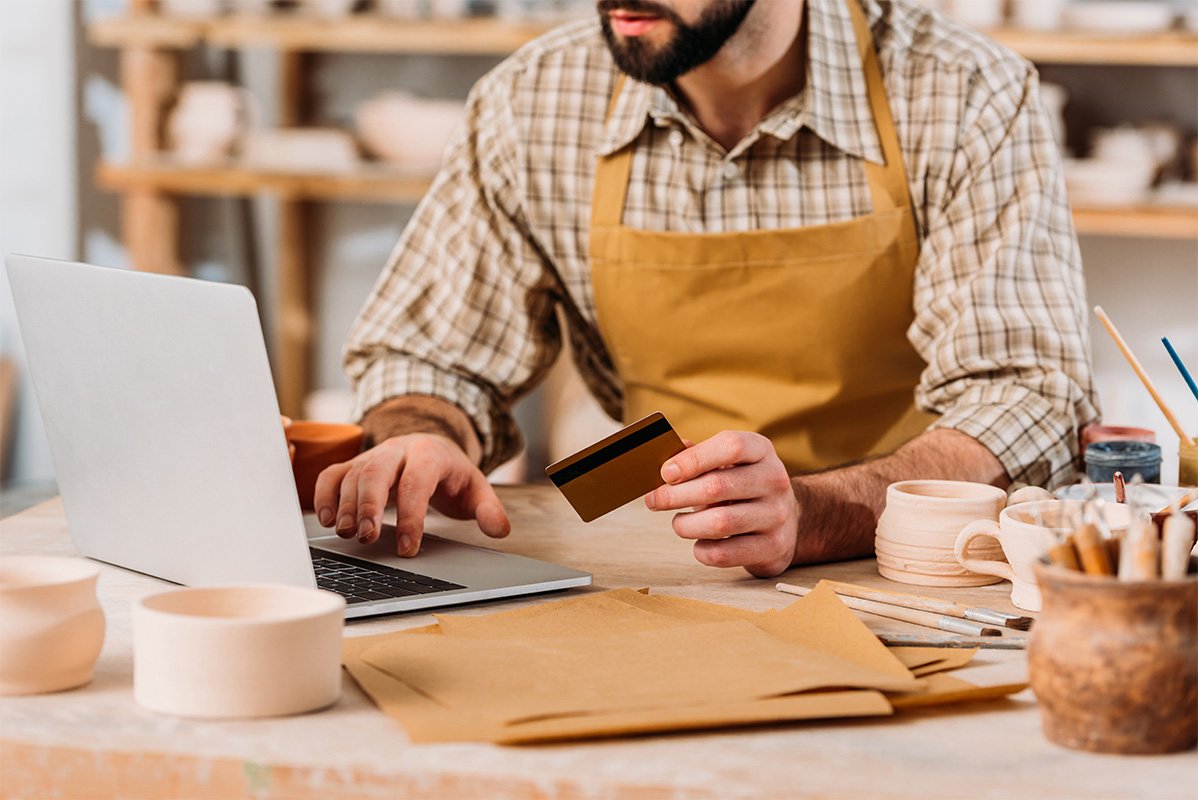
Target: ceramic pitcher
<point>207,119</point>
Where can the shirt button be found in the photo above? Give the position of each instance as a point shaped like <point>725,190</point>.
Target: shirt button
<point>675,138</point>
<point>731,171</point>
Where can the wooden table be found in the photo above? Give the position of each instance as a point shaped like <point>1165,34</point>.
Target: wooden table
<point>96,742</point>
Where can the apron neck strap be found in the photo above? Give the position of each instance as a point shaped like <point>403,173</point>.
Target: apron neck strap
<point>887,182</point>
<point>611,174</point>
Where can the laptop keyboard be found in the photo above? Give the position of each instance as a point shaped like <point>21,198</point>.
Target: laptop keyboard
<point>364,581</point>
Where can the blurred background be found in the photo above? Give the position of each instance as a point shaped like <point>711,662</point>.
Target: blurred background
<point>283,145</point>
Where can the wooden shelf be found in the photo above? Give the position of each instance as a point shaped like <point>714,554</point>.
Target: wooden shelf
<point>369,183</point>
<point>377,183</point>
<point>360,33</point>
<point>369,33</point>
<point>1173,49</point>
<point>1160,222</point>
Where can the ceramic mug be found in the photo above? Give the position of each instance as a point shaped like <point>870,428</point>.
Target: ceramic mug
<point>1025,532</point>
<point>51,625</point>
<point>318,445</point>
<point>919,526</point>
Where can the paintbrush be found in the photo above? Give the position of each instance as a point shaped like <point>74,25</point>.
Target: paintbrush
<point>932,605</point>
<point>926,640</point>
<point>1120,487</point>
<point>1181,367</point>
<point>1143,376</point>
<point>915,617</point>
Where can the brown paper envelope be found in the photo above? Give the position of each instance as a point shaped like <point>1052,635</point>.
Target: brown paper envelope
<point>424,720</point>
<point>819,620</point>
<point>792,708</point>
<point>523,679</point>
<point>928,660</point>
<point>942,689</point>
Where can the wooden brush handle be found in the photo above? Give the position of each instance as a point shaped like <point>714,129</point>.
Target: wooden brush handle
<point>1092,551</point>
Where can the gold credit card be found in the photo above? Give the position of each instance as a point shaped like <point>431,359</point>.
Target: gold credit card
<point>618,469</point>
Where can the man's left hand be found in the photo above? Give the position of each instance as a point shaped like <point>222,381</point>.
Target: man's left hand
<point>744,512</point>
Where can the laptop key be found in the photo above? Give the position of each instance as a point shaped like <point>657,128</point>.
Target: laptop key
<point>373,596</point>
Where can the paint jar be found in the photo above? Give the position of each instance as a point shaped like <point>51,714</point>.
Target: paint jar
<point>1187,464</point>
<point>1104,459</point>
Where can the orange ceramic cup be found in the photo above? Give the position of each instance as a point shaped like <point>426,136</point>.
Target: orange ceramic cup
<point>318,445</point>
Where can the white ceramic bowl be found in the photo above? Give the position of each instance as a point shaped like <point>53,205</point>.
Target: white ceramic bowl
<point>1148,493</point>
<point>1121,17</point>
<point>408,131</point>
<point>1093,181</point>
<point>51,625</point>
<point>237,651</point>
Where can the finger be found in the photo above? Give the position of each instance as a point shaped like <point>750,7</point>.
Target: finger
<point>721,450</point>
<point>718,486</point>
<point>347,508</point>
<point>469,495</point>
<point>375,479</point>
<point>327,493</point>
<point>729,520</point>
<point>416,487</point>
<point>761,553</point>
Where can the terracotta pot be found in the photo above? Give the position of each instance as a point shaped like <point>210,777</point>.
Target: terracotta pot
<point>1114,664</point>
<point>1025,532</point>
<point>237,651</point>
<point>319,445</point>
<point>51,625</point>
<point>919,526</point>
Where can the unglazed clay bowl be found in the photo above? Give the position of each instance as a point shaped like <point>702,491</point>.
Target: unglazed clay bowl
<point>315,446</point>
<point>51,625</point>
<point>237,651</point>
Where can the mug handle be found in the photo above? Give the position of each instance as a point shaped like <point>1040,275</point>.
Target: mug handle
<point>981,527</point>
<point>1028,494</point>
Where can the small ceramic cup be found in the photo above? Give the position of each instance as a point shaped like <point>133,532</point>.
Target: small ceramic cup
<point>920,523</point>
<point>51,625</point>
<point>317,445</point>
<point>237,651</point>
<point>1025,532</point>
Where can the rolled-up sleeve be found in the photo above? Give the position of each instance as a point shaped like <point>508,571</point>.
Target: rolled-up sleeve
<point>1000,307</point>
<point>464,308</point>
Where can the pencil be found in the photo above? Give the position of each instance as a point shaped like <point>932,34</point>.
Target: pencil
<point>1181,367</point>
<point>1142,375</point>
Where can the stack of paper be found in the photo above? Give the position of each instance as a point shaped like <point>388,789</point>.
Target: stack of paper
<point>624,661</point>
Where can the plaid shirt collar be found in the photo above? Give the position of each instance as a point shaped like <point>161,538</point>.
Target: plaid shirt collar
<point>834,103</point>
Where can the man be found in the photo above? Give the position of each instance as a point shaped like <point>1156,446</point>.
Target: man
<point>809,232</point>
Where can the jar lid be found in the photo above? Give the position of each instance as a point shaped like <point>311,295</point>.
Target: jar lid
<point>1121,453</point>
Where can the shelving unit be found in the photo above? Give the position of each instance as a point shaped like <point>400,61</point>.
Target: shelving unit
<point>150,46</point>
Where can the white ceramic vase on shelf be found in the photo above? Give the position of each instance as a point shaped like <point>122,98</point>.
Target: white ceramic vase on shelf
<point>207,119</point>
<point>51,625</point>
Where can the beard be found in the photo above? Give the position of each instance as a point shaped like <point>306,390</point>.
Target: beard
<point>690,47</point>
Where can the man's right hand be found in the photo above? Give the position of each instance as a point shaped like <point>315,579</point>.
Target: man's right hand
<point>423,469</point>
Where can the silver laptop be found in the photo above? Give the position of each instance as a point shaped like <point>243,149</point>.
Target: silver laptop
<point>157,399</point>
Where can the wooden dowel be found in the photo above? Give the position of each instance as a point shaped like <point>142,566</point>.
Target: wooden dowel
<point>1140,557</point>
<point>1092,551</point>
<point>1177,540</point>
<point>915,617</point>
<point>1143,376</point>
<point>1063,554</point>
<point>1120,488</point>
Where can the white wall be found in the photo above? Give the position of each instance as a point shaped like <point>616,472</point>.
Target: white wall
<point>37,177</point>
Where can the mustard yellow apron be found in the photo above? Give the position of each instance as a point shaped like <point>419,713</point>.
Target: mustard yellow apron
<point>799,334</point>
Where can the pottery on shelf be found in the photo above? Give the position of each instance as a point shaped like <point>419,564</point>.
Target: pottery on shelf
<point>207,120</point>
<point>237,651</point>
<point>407,131</point>
<point>51,624</point>
<point>315,150</point>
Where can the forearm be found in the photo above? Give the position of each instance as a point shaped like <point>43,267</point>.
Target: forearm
<point>421,414</point>
<point>839,508</point>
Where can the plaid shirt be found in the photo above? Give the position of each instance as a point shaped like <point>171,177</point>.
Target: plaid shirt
<point>465,307</point>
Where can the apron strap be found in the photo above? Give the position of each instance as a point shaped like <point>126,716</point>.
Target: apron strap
<point>887,182</point>
<point>611,175</point>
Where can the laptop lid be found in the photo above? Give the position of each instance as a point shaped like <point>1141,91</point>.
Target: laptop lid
<point>162,422</point>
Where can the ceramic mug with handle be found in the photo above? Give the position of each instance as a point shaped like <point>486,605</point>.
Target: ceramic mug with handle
<point>1025,531</point>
